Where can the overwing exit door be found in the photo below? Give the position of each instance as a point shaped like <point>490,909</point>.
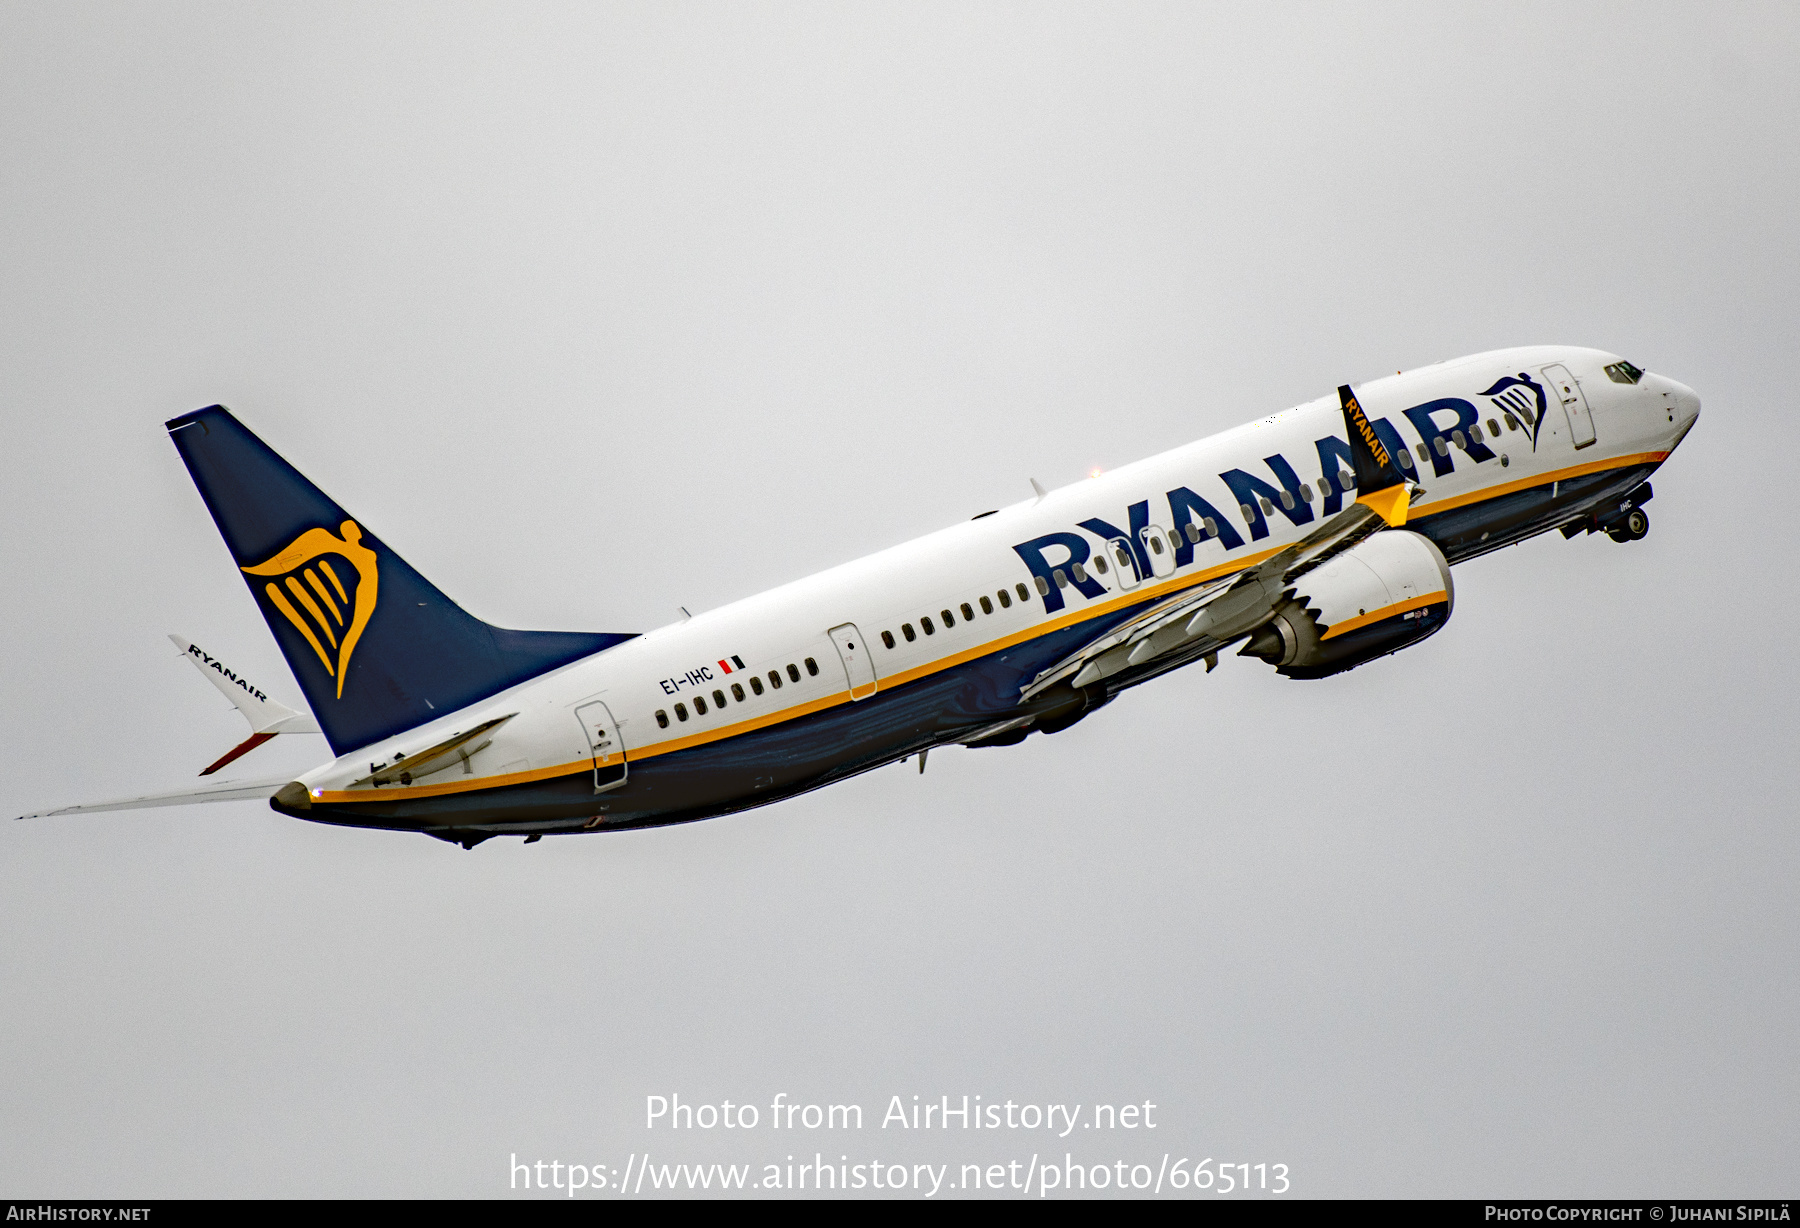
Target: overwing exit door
<point>1157,550</point>
<point>602,734</point>
<point>1124,564</point>
<point>1581,422</point>
<point>859,666</point>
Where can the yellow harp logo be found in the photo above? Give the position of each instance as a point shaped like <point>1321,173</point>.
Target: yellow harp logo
<point>337,615</point>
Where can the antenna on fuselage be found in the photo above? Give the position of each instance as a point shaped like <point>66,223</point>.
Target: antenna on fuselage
<point>1041,492</point>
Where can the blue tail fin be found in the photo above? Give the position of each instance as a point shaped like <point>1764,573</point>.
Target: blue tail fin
<point>376,648</point>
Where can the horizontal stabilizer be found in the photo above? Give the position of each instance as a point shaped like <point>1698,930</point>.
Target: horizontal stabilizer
<point>264,714</point>
<point>267,717</point>
<point>224,791</point>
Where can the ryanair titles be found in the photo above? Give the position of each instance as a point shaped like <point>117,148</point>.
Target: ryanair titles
<point>1060,561</point>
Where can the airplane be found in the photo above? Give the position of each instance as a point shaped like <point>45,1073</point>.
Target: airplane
<point>1314,540</point>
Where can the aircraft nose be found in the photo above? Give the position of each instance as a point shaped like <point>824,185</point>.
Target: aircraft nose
<point>1687,405</point>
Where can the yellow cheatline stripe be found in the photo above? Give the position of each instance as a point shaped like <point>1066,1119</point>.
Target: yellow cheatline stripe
<point>1560,475</point>
<point>1386,611</point>
<point>325,566</point>
<point>312,608</point>
<point>398,793</point>
<point>703,737</point>
<point>1141,595</point>
<point>312,578</point>
<point>293,616</point>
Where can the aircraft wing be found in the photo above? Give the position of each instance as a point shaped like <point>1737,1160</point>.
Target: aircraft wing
<point>1206,618</point>
<point>224,791</point>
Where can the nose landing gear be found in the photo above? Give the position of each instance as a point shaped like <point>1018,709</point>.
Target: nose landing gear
<point>1630,527</point>
<point>1624,521</point>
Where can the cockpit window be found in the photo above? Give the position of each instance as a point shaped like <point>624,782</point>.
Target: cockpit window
<point>1624,373</point>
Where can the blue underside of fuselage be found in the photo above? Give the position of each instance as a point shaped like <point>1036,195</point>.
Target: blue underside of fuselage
<point>778,761</point>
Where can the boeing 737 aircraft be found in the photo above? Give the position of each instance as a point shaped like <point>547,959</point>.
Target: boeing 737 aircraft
<point>1316,540</point>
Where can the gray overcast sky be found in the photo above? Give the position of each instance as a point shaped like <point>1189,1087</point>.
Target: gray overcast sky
<point>595,310</point>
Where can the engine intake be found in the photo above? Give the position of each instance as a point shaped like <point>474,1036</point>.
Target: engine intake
<point>1384,594</point>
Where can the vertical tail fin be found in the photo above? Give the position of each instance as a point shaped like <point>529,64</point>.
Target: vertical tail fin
<point>376,648</point>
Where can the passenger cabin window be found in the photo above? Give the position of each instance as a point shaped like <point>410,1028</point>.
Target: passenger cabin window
<point>1623,373</point>
<point>756,686</point>
<point>681,712</point>
<point>775,679</point>
<point>1025,596</point>
<point>887,638</point>
<point>1405,459</point>
<point>1212,527</point>
<point>987,607</point>
<point>662,719</point>
<point>967,613</point>
<point>1287,500</point>
<point>948,617</point>
<point>812,667</point>
<point>1267,507</point>
<point>925,625</point>
<point>1512,423</point>
<point>907,631</point>
<point>1099,566</point>
<point>1424,453</point>
<point>737,692</point>
<point>719,698</point>
<point>699,706</point>
<point>1156,546</point>
<point>1061,577</point>
<point>1493,428</point>
<point>1079,572</point>
<point>1005,601</point>
<point>793,672</point>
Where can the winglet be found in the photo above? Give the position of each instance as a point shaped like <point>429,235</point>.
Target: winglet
<point>1379,483</point>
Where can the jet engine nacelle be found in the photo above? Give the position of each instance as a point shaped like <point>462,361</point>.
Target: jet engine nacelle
<point>1385,594</point>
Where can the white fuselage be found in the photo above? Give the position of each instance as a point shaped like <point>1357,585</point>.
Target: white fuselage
<point>891,597</point>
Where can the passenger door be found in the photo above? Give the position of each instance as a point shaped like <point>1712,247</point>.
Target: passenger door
<point>1581,422</point>
<point>859,666</point>
<point>602,734</point>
